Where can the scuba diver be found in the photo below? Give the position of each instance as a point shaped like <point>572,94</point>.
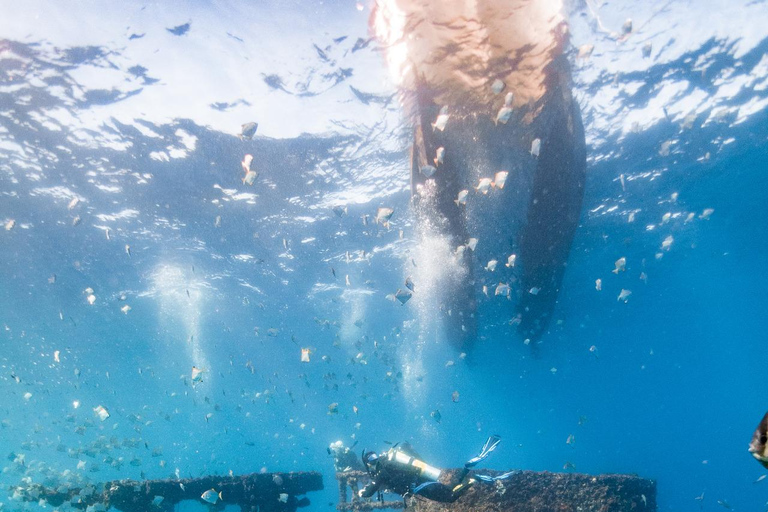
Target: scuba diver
<point>400,470</point>
<point>344,459</point>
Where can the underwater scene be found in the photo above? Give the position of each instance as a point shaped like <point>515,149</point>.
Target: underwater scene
<point>448,255</point>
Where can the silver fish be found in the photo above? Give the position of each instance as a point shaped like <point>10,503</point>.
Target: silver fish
<point>759,445</point>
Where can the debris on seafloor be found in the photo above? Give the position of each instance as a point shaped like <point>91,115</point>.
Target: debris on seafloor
<point>255,491</point>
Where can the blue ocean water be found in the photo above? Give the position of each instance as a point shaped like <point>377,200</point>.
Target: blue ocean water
<point>121,179</point>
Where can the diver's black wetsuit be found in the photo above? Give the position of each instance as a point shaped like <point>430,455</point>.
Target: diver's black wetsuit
<point>401,471</point>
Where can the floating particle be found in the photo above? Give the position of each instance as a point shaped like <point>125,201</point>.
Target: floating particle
<point>439,156</point>
<point>101,412</point>
<point>624,295</point>
<point>536,147</point>
<point>484,186</point>
<point>500,179</point>
<point>461,199</point>
<point>248,130</point>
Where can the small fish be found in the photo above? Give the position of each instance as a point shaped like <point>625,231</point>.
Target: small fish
<point>500,179</point>
<point>585,51</point>
<point>197,374</point>
<point>73,203</point>
<point>536,147</point>
<point>534,291</point>
<point>283,497</point>
<point>571,440</point>
<point>647,49</point>
<point>442,120</point>
<point>101,412</point>
<point>624,295</point>
<point>504,115</point>
<point>760,479</point>
<point>339,210</point>
<point>455,397</point>
<point>383,215</point>
<point>511,261</point>
<point>758,447</point>
<point>106,233</point>
<point>461,199</point>
<point>484,186</point>
<point>77,220</point>
<point>569,465</point>
<point>724,504</point>
<point>497,86</point>
<point>403,295</point>
<point>706,214</point>
<point>428,171</point>
<point>665,218</point>
<point>503,289</point>
<point>436,415</point>
<point>157,500</point>
<point>689,218</point>
<point>10,224</point>
<point>91,299</point>
<point>333,408</point>
<point>128,250</point>
<point>667,243</point>
<point>409,284</point>
<point>644,277</point>
<point>472,243</point>
<point>626,28</point>
<point>598,284</point>
<point>347,281</point>
<point>246,163</point>
<point>277,480</point>
<point>56,356</point>
<point>631,217</point>
<point>623,182</point>
<point>304,355</point>
<point>491,266</point>
<point>485,290</point>
<point>250,177</point>
<point>248,130</point>
<point>621,265</point>
<point>125,309</point>
<point>217,221</point>
<point>211,496</point>
<point>439,156</point>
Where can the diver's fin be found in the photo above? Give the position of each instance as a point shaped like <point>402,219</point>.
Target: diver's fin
<point>488,447</point>
<point>489,478</point>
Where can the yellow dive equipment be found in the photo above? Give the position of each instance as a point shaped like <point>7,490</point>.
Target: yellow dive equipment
<point>425,469</point>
